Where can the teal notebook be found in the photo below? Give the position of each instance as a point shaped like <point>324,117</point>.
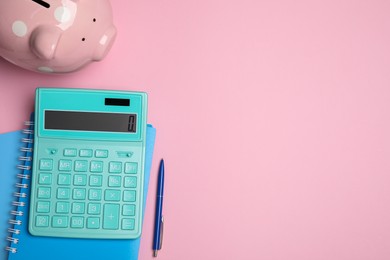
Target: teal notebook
<point>22,245</point>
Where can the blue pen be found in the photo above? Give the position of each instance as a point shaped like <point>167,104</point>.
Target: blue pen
<point>159,220</point>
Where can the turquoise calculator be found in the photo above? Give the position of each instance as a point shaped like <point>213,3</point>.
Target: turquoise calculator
<point>88,163</point>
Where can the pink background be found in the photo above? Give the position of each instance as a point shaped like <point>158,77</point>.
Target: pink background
<point>273,118</point>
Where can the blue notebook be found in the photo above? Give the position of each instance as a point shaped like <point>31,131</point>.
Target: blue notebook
<point>25,246</point>
<point>9,153</point>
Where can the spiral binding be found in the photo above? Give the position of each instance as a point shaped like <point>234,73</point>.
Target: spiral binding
<point>24,167</point>
<point>20,195</point>
<point>21,187</point>
<point>18,203</point>
<point>17,212</point>
<point>26,149</point>
<point>23,176</point>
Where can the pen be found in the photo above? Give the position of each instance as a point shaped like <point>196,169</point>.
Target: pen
<point>159,220</point>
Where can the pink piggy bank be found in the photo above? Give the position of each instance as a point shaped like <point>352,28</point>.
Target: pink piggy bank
<point>55,36</point>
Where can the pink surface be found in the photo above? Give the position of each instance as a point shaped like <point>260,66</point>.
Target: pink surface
<point>273,118</point>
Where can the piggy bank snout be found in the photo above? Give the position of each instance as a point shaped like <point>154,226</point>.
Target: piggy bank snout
<point>44,41</point>
<point>105,43</point>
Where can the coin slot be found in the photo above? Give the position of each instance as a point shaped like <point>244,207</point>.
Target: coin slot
<point>43,3</point>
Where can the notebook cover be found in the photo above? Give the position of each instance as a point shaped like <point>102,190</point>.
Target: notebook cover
<point>9,153</point>
<point>32,247</point>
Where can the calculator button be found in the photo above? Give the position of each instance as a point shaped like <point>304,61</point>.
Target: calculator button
<point>43,207</point>
<point>63,193</point>
<point>124,154</point>
<point>130,182</point>
<point>93,223</point>
<point>129,195</point>
<point>115,167</point>
<point>81,166</point>
<point>44,178</point>
<point>42,221</point>
<point>60,222</point>
<point>80,180</point>
<point>79,194</point>
<point>95,194</point>
<point>94,208</point>
<point>96,166</point>
<point>63,179</point>
<point>78,208</point>
<point>77,222</point>
<point>131,167</point>
<point>62,207</point>
<point>112,195</point>
<point>128,223</point>
<point>111,216</point>
<point>101,153</point>
<point>46,164</point>
<point>44,193</point>
<point>95,180</point>
<point>114,181</point>
<point>128,210</point>
<point>86,153</point>
<point>70,152</point>
<point>65,165</point>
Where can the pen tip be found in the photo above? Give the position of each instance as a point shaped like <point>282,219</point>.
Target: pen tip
<point>155,253</point>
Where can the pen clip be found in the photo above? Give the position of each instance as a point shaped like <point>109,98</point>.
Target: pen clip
<point>161,232</point>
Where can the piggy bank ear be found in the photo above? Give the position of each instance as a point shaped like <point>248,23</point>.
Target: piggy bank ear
<point>44,40</point>
<point>105,43</point>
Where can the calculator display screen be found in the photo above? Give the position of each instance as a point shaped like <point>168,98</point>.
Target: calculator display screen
<point>90,121</point>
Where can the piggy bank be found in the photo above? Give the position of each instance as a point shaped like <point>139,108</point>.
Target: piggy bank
<point>55,36</point>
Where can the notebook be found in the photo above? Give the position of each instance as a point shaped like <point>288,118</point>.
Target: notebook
<point>9,153</point>
<point>26,246</point>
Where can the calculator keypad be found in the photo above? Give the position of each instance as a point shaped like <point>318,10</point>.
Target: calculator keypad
<point>86,192</point>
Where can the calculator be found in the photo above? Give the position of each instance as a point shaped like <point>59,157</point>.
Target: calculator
<point>88,163</point>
